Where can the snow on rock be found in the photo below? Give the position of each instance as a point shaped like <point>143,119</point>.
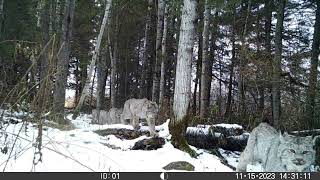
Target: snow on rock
<point>83,150</point>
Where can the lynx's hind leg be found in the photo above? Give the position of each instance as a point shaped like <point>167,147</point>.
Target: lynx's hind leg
<point>152,129</point>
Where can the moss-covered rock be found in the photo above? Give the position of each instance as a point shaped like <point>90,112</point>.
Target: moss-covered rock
<point>179,165</point>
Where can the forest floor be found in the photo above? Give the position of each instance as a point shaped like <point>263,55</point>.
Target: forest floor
<point>81,149</point>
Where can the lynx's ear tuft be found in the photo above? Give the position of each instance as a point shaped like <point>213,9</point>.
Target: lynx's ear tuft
<point>315,138</point>
<point>282,136</point>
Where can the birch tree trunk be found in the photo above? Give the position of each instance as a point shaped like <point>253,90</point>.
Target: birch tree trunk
<point>311,93</point>
<point>95,56</point>
<point>62,64</point>
<point>205,84</point>
<point>163,56</point>
<point>156,73</point>
<point>182,91</point>
<point>276,101</point>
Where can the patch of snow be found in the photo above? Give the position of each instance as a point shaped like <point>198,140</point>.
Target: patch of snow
<point>255,168</point>
<point>232,157</point>
<point>83,150</point>
<point>229,126</point>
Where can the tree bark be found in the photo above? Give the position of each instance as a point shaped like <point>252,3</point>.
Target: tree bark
<point>156,72</point>
<point>163,56</point>
<point>197,99</point>
<point>45,25</point>
<point>205,74</point>
<point>311,92</point>
<point>62,64</point>
<point>113,59</point>
<point>242,89</point>
<point>233,57</point>
<point>1,16</point>
<point>102,72</point>
<point>276,70</point>
<point>146,55</point>
<point>95,56</point>
<point>182,91</point>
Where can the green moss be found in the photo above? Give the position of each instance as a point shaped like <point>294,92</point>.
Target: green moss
<point>177,130</point>
<point>179,165</point>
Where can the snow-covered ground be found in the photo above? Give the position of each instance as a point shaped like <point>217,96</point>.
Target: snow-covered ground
<point>83,150</point>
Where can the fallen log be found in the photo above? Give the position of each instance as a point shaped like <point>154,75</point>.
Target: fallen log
<point>122,133</point>
<point>211,137</point>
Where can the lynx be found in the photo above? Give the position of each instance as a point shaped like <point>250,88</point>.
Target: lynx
<point>107,117</point>
<point>135,109</point>
<point>103,117</point>
<point>277,152</point>
<point>115,115</point>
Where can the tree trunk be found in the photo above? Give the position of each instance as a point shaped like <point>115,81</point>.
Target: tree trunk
<point>1,16</point>
<point>156,72</point>
<point>95,56</point>
<point>311,93</point>
<point>242,89</point>
<point>53,15</point>
<point>163,57</point>
<point>45,25</point>
<point>230,87</point>
<point>197,99</point>
<point>276,101</point>
<point>146,55</point>
<point>63,63</point>
<point>205,74</point>
<point>113,59</point>
<point>233,58</point>
<point>44,61</point>
<point>265,72</point>
<point>182,91</point>
<point>101,83</point>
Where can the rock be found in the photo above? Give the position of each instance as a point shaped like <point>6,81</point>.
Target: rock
<point>179,165</point>
<point>149,144</point>
<point>122,133</point>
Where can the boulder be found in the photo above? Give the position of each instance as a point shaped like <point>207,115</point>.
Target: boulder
<point>179,165</point>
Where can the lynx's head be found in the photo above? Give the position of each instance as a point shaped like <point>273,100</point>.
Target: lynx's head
<point>296,153</point>
<point>152,109</point>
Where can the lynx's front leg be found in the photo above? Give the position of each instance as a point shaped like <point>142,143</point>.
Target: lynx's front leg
<point>135,122</point>
<point>152,129</point>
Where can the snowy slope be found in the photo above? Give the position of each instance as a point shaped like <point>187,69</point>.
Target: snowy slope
<point>83,150</point>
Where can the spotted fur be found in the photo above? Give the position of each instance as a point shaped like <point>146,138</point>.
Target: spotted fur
<point>277,152</point>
